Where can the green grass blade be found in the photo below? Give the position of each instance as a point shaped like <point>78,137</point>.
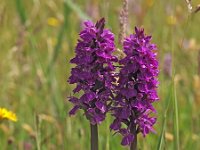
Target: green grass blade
<point>59,39</point>
<point>77,9</point>
<point>174,98</point>
<point>176,127</point>
<point>56,49</point>
<point>38,133</point>
<point>22,14</point>
<point>21,11</point>
<point>161,138</point>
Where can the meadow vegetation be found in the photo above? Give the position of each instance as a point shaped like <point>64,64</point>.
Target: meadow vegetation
<point>37,40</point>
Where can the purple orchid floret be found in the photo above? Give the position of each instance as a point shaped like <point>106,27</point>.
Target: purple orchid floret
<point>93,73</point>
<point>136,89</point>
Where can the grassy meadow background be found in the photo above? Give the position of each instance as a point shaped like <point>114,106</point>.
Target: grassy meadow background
<point>37,40</point>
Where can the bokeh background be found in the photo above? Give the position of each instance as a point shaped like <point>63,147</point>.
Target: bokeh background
<point>37,40</point>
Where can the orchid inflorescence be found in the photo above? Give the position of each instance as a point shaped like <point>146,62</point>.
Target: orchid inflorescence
<point>94,71</point>
<point>136,90</point>
<point>124,87</point>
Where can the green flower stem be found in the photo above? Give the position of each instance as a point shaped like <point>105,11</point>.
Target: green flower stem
<point>134,143</point>
<point>94,137</point>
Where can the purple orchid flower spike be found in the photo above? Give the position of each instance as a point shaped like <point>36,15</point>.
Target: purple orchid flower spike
<point>136,89</point>
<point>94,72</point>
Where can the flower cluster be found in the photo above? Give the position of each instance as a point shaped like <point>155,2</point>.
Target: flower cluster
<point>130,98</point>
<point>5,114</point>
<point>93,73</point>
<point>136,89</point>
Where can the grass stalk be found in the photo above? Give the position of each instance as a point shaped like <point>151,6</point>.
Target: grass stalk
<point>77,9</point>
<point>21,11</point>
<point>38,133</point>
<point>176,120</point>
<point>174,98</point>
<point>60,36</point>
<point>162,135</point>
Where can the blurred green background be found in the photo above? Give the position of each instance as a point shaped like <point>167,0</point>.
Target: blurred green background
<point>37,40</point>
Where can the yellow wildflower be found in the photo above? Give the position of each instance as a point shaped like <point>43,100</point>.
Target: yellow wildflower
<point>5,114</point>
<point>171,20</point>
<point>53,22</point>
